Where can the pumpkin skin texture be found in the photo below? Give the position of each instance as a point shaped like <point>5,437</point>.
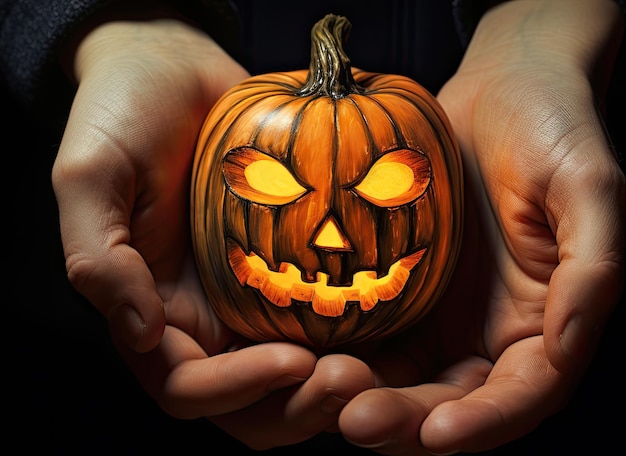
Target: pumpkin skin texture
<point>326,204</point>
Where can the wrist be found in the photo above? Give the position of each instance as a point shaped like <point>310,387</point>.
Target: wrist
<point>573,35</point>
<point>117,11</point>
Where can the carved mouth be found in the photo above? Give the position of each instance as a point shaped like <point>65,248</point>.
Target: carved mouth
<point>284,286</point>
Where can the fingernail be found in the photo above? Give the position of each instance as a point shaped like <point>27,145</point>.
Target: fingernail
<point>126,322</point>
<point>283,382</point>
<point>377,445</point>
<point>580,338</point>
<point>332,403</point>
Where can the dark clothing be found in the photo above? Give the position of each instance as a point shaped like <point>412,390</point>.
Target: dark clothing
<point>423,40</point>
<point>33,33</point>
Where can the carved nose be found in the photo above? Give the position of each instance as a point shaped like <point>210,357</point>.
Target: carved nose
<point>330,236</point>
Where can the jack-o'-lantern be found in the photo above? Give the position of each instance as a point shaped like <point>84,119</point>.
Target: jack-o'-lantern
<point>326,204</point>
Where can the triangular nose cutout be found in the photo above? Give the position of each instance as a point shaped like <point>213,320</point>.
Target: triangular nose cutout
<point>330,236</point>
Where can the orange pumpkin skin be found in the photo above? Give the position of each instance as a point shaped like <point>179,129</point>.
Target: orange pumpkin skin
<point>264,255</point>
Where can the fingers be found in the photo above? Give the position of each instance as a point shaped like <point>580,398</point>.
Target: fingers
<point>297,414</point>
<point>388,420</point>
<point>472,407</point>
<point>188,384</point>
<point>265,395</point>
<point>521,391</point>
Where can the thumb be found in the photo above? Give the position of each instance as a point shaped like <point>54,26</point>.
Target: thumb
<point>581,298</point>
<point>93,185</point>
<point>118,283</point>
<point>590,218</point>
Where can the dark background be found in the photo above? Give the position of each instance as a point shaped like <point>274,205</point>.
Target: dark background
<point>66,390</point>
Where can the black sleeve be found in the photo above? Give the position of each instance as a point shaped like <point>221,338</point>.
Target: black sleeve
<point>33,32</point>
<point>467,14</point>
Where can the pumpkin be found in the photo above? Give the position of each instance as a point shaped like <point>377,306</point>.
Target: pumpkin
<point>326,204</point>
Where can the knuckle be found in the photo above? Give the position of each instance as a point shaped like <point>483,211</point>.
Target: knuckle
<point>80,268</point>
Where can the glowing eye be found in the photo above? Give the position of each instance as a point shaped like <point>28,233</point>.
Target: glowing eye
<point>272,178</point>
<point>387,180</point>
<point>397,178</point>
<point>257,177</point>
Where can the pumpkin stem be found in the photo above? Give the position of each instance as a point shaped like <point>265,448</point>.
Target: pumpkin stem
<point>330,71</point>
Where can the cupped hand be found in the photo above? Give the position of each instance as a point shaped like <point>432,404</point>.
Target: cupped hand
<point>122,170</point>
<point>121,179</point>
<point>542,264</point>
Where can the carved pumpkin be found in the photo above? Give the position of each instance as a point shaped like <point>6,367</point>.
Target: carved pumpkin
<point>326,204</point>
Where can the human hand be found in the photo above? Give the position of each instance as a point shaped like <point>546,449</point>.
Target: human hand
<point>121,179</point>
<point>542,264</point>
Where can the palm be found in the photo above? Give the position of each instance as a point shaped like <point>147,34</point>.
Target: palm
<point>510,249</point>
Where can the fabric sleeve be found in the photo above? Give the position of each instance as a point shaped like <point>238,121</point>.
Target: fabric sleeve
<point>467,14</point>
<point>33,33</point>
